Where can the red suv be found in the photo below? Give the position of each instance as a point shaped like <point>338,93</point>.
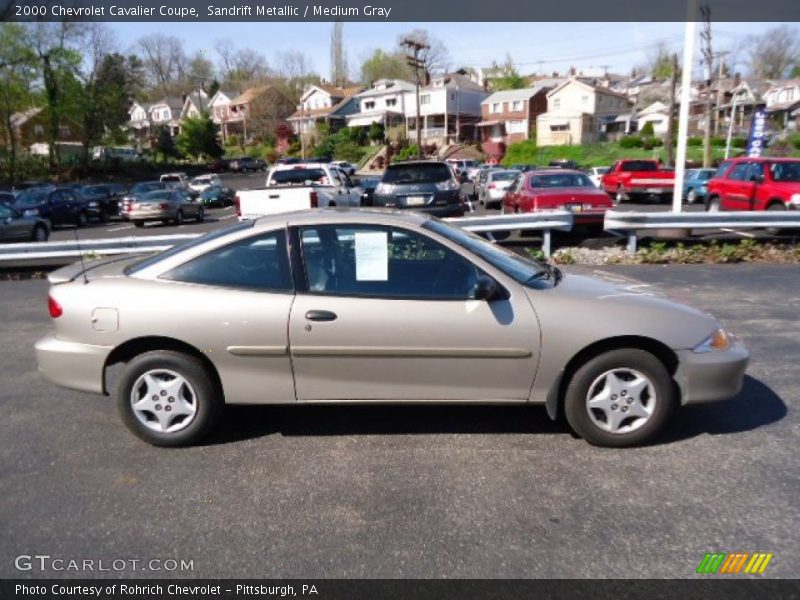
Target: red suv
<point>755,184</point>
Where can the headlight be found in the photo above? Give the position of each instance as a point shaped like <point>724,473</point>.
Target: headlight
<point>31,212</point>
<point>384,188</point>
<point>444,186</point>
<point>795,199</point>
<point>93,204</point>
<point>719,340</point>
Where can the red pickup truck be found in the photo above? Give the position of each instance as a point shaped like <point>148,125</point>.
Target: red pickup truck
<point>755,184</point>
<point>633,179</point>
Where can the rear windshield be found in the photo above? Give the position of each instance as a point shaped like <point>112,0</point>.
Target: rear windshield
<point>158,195</point>
<point>565,180</point>
<point>639,165</point>
<point>170,178</point>
<point>417,173</point>
<point>142,188</point>
<point>153,259</point>
<point>785,171</point>
<point>299,177</point>
<point>504,175</point>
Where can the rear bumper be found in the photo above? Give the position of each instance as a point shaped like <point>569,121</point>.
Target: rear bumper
<point>711,376</point>
<point>151,215</point>
<point>72,365</point>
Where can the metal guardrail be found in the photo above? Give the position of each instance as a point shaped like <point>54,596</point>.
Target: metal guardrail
<point>545,221</point>
<point>64,252</point>
<point>629,223</point>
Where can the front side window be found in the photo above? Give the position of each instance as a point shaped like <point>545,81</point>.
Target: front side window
<point>739,172</point>
<point>385,262</point>
<point>723,167</point>
<point>256,263</point>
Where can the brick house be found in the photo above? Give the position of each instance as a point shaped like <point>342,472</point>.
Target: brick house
<point>510,116</point>
<point>256,112</point>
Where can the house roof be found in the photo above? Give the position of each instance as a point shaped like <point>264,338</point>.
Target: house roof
<point>230,95</point>
<point>654,108</point>
<point>452,81</point>
<point>173,102</point>
<point>393,86</point>
<point>18,119</point>
<point>598,89</point>
<point>511,95</point>
<point>319,112</point>
<point>251,94</point>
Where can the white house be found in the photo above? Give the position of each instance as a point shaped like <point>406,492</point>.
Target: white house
<point>167,113</point>
<point>324,104</point>
<point>450,109</point>
<point>782,100</point>
<point>194,104</point>
<point>577,113</point>
<point>656,113</point>
<point>219,107</point>
<point>384,102</point>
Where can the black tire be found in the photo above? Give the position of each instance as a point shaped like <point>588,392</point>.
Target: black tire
<point>713,204</point>
<point>779,206</point>
<point>691,196</point>
<point>39,234</point>
<point>207,397</point>
<point>81,220</point>
<point>201,215</point>
<point>104,217</point>
<point>178,218</point>
<point>138,223</point>
<point>577,391</point>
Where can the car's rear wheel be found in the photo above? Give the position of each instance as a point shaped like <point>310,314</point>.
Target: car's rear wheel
<point>179,218</point>
<point>201,215</point>
<point>691,196</point>
<point>168,398</point>
<point>39,234</point>
<point>81,220</point>
<point>713,204</point>
<point>138,223</point>
<point>619,398</point>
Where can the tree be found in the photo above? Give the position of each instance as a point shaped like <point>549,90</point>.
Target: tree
<point>338,57</point>
<point>17,70</point>
<point>58,60</point>
<point>199,137</point>
<point>385,65</point>
<point>377,132</point>
<point>164,60</point>
<point>199,71</point>
<point>775,53</point>
<point>435,57</point>
<point>659,62</point>
<point>508,77</point>
<point>165,144</point>
<point>240,66</point>
<point>295,72</point>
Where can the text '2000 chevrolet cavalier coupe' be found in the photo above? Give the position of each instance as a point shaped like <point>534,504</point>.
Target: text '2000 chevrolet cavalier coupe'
<point>375,307</point>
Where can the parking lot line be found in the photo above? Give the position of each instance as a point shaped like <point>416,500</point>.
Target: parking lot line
<point>743,233</point>
<point>120,228</point>
<point>226,217</point>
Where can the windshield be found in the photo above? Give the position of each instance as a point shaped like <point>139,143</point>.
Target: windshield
<point>561,180</point>
<point>299,177</point>
<point>153,259</point>
<point>212,190</point>
<point>31,198</point>
<point>704,175</point>
<point>785,171</point>
<point>170,178</point>
<point>521,269</point>
<point>417,173</point>
<point>639,165</point>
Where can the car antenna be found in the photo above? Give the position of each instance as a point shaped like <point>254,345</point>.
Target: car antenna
<point>80,255</point>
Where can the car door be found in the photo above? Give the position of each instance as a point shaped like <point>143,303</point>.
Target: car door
<point>759,195</point>
<point>352,190</point>
<point>388,315</point>
<point>738,190</point>
<point>59,208</point>
<point>12,227</point>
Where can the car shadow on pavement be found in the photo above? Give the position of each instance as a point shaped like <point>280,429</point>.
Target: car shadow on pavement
<point>246,422</point>
<point>755,406</point>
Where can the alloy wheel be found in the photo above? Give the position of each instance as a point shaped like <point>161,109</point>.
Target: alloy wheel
<point>621,400</point>
<point>163,401</point>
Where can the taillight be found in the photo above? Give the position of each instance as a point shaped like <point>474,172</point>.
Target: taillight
<point>492,186</point>
<point>163,205</point>
<point>314,200</point>
<point>237,204</point>
<point>54,307</point>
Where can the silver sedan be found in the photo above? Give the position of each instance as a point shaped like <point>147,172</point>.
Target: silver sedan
<point>168,206</point>
<point>375,307</point>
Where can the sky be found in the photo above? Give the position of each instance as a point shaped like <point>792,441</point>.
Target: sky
<point>534,47</point>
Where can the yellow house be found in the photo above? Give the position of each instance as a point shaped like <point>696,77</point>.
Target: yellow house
<point>577,113</point>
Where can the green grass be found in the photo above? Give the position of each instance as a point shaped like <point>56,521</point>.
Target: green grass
<point>599,155</point>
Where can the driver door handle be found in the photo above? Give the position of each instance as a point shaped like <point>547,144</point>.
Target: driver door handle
<point>320,315</point>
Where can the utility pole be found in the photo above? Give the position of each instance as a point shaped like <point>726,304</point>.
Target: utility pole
<point>721,57</point>
<point>673,83</point>
<point>415,62</point>
<point>708,60</point>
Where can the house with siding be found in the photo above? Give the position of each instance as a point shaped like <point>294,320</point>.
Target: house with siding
<point>579,113</point>
<point>510,116</point>
<point>384,103</point>
<point>782,101</point>
<point>326,104</point>
<point>219,107</point>
<point>256,112</point>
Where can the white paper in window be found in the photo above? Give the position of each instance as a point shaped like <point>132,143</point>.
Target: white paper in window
<point>372,256</point>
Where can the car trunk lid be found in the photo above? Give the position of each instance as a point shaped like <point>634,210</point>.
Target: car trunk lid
<point>93,269</point>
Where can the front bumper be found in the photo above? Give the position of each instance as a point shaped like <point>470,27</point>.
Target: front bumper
<point>72,365</point>
<point>151,215</point>
<point>711,376</point>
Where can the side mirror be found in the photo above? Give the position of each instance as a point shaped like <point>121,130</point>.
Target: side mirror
<point>486,289</point>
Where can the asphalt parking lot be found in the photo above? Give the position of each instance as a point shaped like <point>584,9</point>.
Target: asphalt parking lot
<point>487,492</point>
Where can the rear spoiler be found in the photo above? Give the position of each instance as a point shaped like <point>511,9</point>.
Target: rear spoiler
<point>73,271</point>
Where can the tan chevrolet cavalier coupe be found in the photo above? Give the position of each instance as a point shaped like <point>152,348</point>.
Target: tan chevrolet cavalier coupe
<point>375,307</point>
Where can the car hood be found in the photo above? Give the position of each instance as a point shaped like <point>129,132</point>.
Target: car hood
<point>606,306</point>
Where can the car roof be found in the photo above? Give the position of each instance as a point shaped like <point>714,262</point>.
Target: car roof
<point>324,216</point>
<point>406,163</point>
<point>554,171</point>
<point>739,159</point>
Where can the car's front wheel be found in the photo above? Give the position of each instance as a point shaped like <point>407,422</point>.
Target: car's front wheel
<point>619,398</point>
<point>168,398</point>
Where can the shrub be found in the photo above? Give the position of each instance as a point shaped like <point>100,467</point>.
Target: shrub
<point>631,141</point>
<point>739,142</point>
<point>718,142</point>
<point>647,130</point>
<point>407,152</point>
<point>694,141</point>
<point>233,140</point>
<point>794,140</point>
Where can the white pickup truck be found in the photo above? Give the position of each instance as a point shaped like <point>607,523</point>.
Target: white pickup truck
<point>298,186</point>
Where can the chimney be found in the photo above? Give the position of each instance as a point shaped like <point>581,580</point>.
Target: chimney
<point>572,71</point>
<point>737,79</point>
<point>183,98</point>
